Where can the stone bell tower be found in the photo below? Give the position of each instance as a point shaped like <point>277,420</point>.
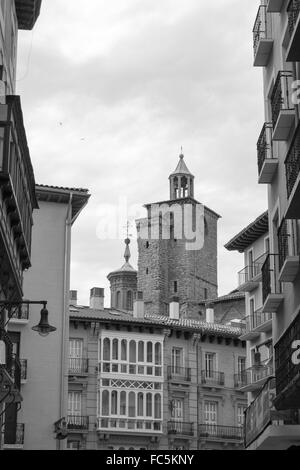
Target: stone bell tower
<point>165,267</point>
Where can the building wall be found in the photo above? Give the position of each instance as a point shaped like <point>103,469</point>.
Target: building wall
<point>42,399</point>
<point>8,44</point>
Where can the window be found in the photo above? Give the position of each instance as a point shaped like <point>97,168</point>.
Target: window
<point>115,347</point>
<point>114,403</point>
<point>123,404</point>
<point>149,352</point>
<point>211,412</point>
<point>141,351</point>
<point>157,354</point>
<point>177,360</point>
<point>250,264</point>
<point>105,403</point>
<point>177,412</point>
<point>118,300</point>
<point>140,411</point>
<point>240,414</point>
<point>75,354</point>
<point>157,406</point>
<point>129,302</point>
<point>131,413</point>
<point>175,287</point>
<point>205,293</point>
<point>149,405</point>
<point>123,350</point>
<point>241,366</point>
<point>74,403</point>
<point>106,349</point>
<point>267,245</point>
<point>147,271</point>
<point>147,244</point>
<point>210,365</point>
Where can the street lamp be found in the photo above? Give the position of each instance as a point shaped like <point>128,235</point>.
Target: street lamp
<point>43,328</point>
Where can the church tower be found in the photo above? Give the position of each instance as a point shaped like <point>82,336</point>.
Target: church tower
<point>166,269</point>
<point>123,284</point>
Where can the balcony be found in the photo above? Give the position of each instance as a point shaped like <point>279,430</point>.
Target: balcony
<point>78,423</point>
<point>17,186</point>
<point>250,277</point>
<point>240,380</point>
<point>220,433</point>
<point>27,13</point>
<point>20,315</point>
<point>262,38</point>
<point>10,371</point>
<point>181,428</point>
<point>283,110</point>
<point>212,379</point>
<point>129,425</point>
<point>267,164</point>
<point>292,169</point>
<point>271,286</point>
<point>286,371</point>
<point>288,262</point>
<point>179,374</point>
<point>293,10</point>
<point>274,6</point>
<point>78,366</point>
<point>256,323</point>
<point>14,436</point>
<point>24,366</point>
<point>268,429</point>
<point>255,377</point>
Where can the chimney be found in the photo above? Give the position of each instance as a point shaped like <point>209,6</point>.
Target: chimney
<point>139,306</point>
<point>73,297</point>
<point>97,298</point>
<point>174,309</point>
<point>210,314</point>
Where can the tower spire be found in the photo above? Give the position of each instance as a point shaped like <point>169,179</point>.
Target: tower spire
<point>127,253</point>
<point>181,181</point>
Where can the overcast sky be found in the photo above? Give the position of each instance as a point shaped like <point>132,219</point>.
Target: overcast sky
<point>110,93</point>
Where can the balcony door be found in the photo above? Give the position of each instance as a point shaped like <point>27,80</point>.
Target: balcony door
<point>250,263</point>
<point>75,408</point>
<point>177,414</point>
<point>177,360</point>
<point>76,354</point>
<point>211,414</point>
<point>210,365</point>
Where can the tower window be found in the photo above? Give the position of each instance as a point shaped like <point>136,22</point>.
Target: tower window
<point>147,244</point>
<point>175,287</point>
<point>205,293</point>
<point>147,271</point>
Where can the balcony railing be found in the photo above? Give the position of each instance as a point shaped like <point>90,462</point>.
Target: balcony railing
<point>78,365</point>
<point>283,110</point>
<point>138,425</point>
<point>180,427</point>
<point>283,243</point>
<point>240,379</point>
<point>262,413</point>
<point>292,163</point>
<point>249,273</point>
<point>179,373</point>
<point>262,38</point>
<point>293,11</point>
<point>210,377</point>
<point>21,313</point>
<point>267,164</point>
<point>270,282</point>
<point>24,364</point>
<point>256,320</point>
<point>14,435</point>
<point>78,423</point>
<point>287,371</point>
<point>220,432</point>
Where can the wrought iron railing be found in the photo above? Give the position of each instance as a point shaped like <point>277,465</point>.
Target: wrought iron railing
<point>264,145</point>
<point>293,10</point>
<point>256,319</point>
<point>183,373</point>
<point>281,98</point>
<point>211,377</point>
<point>21,313</point>
<point>220,432</point>
<point>78,422</point>
<point>255,374</point>
<point>286,370</point>
<point>24,364</point>
<point>260,29</point>
<point>240,379</point>
<point>283,243</point>
<point>250,272</point>
<point>78,365</point>
<point>181,427</point>
<point>138,425</point>
<point>270,283</point>
<point>292,162</point>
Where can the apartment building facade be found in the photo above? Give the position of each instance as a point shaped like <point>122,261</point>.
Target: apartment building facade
<point>274,413</point>
<point>152,381</point>
<point>17,202</point>
<point>43,359</point>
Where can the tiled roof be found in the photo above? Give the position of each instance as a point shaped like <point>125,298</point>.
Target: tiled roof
<point>88,314</point>
<point>250,234</point>
<point>181,168</point>
<point>235,295</point>
<point>63,188</point>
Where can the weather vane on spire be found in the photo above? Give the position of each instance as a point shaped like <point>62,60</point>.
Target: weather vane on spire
<point>181,155</point>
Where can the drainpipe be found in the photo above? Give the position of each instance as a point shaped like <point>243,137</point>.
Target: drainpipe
<point>65,319</point>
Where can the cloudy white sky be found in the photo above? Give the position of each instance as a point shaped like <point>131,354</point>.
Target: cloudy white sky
<point>112,90</point>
